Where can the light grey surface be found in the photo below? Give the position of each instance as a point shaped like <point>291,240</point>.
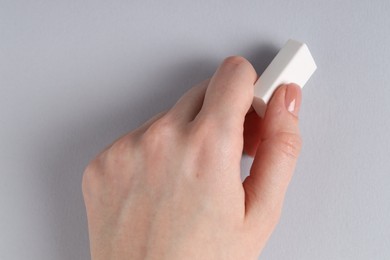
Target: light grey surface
<point>74,75</point>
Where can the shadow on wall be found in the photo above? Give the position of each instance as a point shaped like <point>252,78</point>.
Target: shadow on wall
<point>261,56</point>
<point>68,158</point>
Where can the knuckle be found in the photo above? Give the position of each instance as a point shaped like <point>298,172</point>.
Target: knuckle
<point>107,165</point>
<point>236,60</point>
<point>289,143</point>
<point>239,62</point>
<point>89,178</point>
<point>120,148</point>
<point>159,135</point>
<point>92,169</point>
<point>159,132</point>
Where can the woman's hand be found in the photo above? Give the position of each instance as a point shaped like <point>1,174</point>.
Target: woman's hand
<point>171,189</point>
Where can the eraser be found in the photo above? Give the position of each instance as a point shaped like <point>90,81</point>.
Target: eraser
<point>292,64</point>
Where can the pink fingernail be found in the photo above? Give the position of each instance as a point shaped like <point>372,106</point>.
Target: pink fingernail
<point>293,98</point>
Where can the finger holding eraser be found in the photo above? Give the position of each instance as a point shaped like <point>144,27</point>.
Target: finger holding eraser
<point>292,64</point>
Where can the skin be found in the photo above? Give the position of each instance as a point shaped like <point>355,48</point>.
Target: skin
<point>171,189</point>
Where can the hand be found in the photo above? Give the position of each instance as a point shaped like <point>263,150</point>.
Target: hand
<point>171,189</point>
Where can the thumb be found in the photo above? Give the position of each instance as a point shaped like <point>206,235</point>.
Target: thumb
<point>275,157</point>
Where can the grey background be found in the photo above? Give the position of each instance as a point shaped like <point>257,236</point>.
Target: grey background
<point>75,75</point>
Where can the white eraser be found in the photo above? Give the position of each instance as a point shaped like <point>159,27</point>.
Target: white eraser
<point>292,64</point>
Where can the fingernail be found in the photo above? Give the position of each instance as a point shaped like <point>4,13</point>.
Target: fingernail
<point>293,98</point>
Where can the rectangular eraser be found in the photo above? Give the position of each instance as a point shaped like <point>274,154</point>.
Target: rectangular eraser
<point>292,64</point>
